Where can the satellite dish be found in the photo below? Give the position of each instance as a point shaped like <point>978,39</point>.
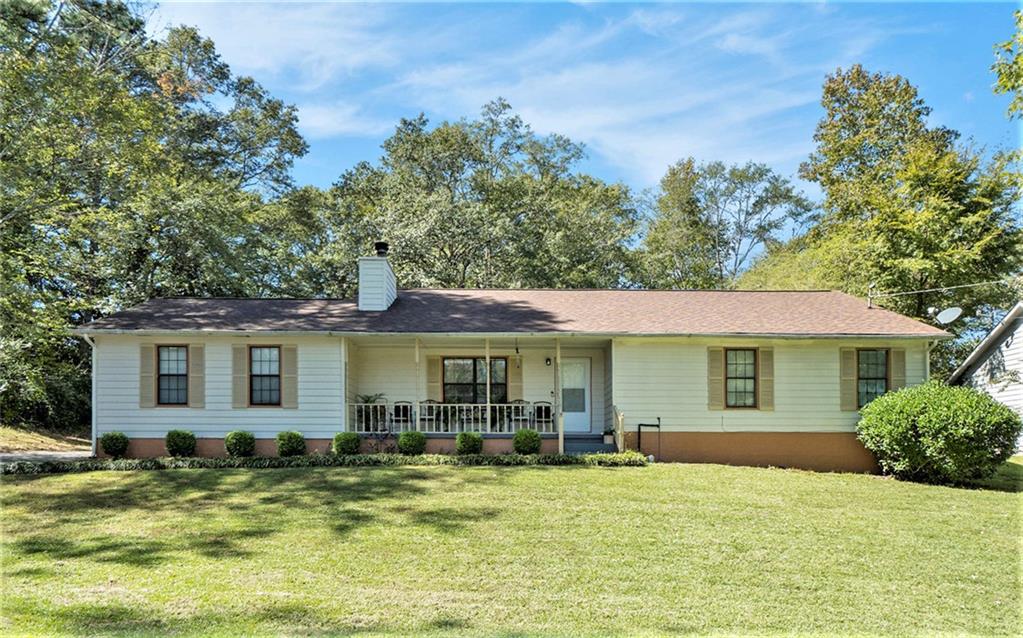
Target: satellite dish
<point>948,315</point>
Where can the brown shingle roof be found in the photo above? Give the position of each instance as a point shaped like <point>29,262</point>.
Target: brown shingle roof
<point>625,312</point>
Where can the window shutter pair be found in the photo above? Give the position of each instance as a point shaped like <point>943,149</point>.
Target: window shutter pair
<point>849,377</point>
<point>716,378</point>
<point>240,376</point>
<point>764,383</point>
<point>196,375</point>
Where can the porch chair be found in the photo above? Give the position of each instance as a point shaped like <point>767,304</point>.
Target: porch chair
<point>401,415</point>
<point>519,414</point>
<point>543,416</point>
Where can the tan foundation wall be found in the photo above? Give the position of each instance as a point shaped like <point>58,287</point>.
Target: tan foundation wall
<point>149,448</point>
<point>821,451</point>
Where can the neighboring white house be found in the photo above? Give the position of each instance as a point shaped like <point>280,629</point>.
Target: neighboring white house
<point>764,378</point>
<point>996,364</point>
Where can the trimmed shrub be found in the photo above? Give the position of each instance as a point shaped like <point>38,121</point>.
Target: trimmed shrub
<point>180,443</point>
<point>939,434</point>
<point>469,443</point>
<point>527,442</point>
<point>411,443</point>
<point>114,444</point>
<point>290,444</point>
<point>346,443</point>
<point>240,443</point>
<point>619,459</point>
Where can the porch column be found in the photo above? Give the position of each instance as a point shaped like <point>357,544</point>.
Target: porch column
<point>557,396</point>
<point>419,377</point>
<point>486,355</point>
<point>344,384</point>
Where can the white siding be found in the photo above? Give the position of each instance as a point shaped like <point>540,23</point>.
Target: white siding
<point>320,391</point>
<point>1001,375</point>
<point>667,378</point>
<point>377,285</point>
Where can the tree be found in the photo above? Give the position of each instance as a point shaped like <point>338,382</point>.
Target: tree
<point>1008,67</point>
<point>906,207</point>
<point>130,167</point>
<point>487,203</point>
<point>709,221</point>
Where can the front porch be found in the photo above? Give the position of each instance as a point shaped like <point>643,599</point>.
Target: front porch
<point>444,385</point>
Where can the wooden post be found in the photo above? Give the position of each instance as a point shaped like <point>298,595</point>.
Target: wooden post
<point>419,378</point>
<point>557,397</point>
<point>486,354</point>
<point>344,384</point>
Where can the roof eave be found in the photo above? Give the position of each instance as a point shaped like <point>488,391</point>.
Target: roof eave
<point>993,337</point>
<point>84,331</point>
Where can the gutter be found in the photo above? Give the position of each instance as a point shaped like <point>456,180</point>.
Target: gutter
<point>92,402</point>
<point>508,335</point>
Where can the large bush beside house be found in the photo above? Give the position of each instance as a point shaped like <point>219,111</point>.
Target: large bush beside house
<point>290,444</point>
<point>240,443</point>
<point>469,443</point>
<point>527,442</point>
<point>939,434</point>
<point>114,444</point>
<point>180,443</point>
<point>411,443</point>
<point>346,443</point>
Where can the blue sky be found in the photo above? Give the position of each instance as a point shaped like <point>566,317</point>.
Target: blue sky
<point>640,85</point>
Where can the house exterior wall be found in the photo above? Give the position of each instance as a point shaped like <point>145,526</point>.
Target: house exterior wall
<point>320,390</point>
<point>668,378</point>
<point>1001,374</point>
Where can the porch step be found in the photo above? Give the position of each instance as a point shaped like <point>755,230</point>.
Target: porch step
<point>586,444</point>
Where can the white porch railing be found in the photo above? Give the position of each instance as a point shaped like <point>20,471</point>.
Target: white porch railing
<point>444,418</point>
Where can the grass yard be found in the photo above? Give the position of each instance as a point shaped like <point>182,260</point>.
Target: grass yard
<point>507,551</point>
<point>21,440</point>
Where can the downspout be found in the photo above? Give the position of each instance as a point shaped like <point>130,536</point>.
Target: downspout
<point>92,406</point>
<point>931,345</point>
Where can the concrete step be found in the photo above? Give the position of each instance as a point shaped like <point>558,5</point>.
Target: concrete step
<point>586,444</point>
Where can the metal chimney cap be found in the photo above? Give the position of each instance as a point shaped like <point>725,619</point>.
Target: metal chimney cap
<point>381,247</point>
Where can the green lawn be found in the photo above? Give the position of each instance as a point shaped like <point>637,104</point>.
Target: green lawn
<point>509,551</point>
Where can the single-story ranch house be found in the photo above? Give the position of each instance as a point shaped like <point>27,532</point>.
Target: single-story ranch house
<point>758,378</point>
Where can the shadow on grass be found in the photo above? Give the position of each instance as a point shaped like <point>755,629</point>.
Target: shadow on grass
<point>352,498</point>
<point>1008,478</point>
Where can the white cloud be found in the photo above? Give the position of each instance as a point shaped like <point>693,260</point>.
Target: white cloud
<point>331,119</point>
<point>308,44</point>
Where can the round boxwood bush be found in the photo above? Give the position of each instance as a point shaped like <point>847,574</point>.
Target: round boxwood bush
<point>290,444</point>
<point>114,444</point>
<point>527,442</point>
<point>939,434</point>
<point>240,443</point>
<point>411,443</point>
<point>346,443</point>
<point>469,443</point>
<point>180,443</point>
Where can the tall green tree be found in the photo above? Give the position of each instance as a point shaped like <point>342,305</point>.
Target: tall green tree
<point>1008,67</point>
<point>907,207</point>
<point>130,167</point>
<point>709,221</point>
<point>489,203</point>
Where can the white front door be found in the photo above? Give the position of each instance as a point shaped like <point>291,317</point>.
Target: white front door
<point>575,394</point>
